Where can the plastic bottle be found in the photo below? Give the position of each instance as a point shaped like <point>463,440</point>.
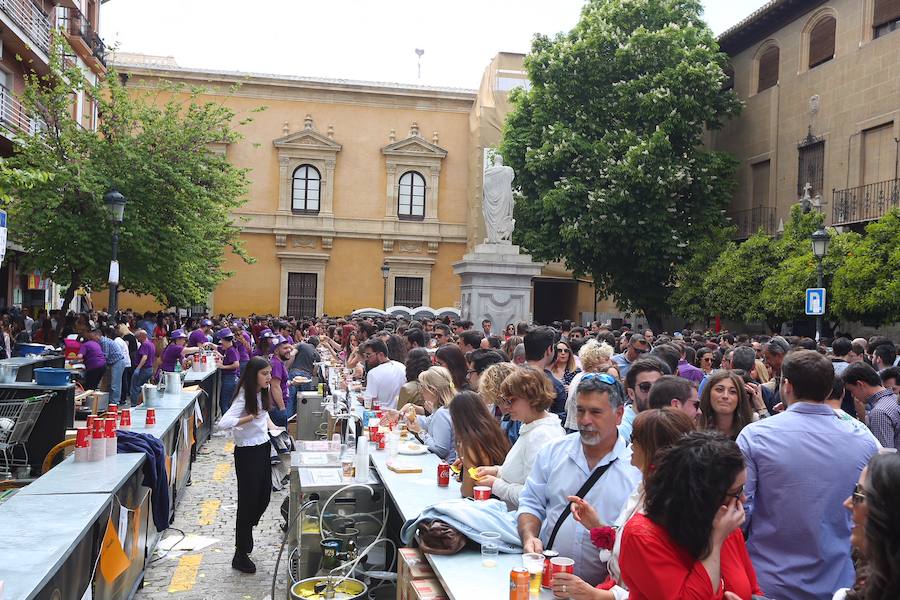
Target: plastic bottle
<point>362,458</point>
<point>178,366</point>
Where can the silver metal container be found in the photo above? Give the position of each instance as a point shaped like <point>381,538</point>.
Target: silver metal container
<point>8,373</point>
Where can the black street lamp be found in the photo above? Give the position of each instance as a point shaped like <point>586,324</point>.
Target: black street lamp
<point>820,239</point>
<point>115,204</point>
<point>385,271</point>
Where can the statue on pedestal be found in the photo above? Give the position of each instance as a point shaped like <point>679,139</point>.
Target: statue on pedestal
<point>498,203</point>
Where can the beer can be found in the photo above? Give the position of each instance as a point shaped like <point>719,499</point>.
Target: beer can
<point>547,581</point>
<point>481,492</point>
<point>151,416</point>
<point>443,474</point>
<point>518,583</point>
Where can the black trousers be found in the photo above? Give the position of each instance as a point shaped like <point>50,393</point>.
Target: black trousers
<point>92,379</point>
<point>254,478</point>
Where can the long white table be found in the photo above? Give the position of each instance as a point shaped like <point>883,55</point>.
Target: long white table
<point>462,575</point>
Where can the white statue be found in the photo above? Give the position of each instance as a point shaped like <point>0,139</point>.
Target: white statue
<point>498,203</point>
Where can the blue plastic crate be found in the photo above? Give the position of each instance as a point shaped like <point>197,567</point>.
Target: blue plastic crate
<point>51,376</point>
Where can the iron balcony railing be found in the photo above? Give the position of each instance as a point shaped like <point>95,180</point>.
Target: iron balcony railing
<point>751,220</point>
<point>31,19</point>
<point>76,24</point>
<point>13,116</point>
<point>865,203</point>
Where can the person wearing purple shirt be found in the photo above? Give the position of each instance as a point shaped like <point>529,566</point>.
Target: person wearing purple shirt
<point>244,343</point>
<point>801,466</point>
<point>200,335</point>
<point>94,360</point>
<point>175,351</point>
<point>685,369</point>
<point>143,369</point>
<point>282,404</point>
<point>229,368</point>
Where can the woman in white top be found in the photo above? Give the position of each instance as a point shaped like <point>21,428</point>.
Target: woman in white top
<point>250,424</point>
<point>527,394</point>
<point>653,429</point>
<point>595,357</point>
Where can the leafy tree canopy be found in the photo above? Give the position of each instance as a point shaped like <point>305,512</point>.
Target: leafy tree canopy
<point>607,146</point>
<point>180,194</point>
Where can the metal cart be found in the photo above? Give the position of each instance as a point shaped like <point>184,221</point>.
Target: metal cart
<point>17,419</point>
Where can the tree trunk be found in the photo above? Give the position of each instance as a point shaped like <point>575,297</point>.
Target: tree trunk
<point>654,322</point>
<point>70,295</point>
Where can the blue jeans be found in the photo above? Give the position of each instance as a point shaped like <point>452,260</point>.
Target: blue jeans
<point>116,370</point>
<point>140,377</point>
<point>226,393</point>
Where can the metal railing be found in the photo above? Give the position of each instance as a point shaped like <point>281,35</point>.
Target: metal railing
<point>13,115</point>
<point>75,23</point>
<point>751,220</point>
<point>865,203</point>
<point>31,19</point>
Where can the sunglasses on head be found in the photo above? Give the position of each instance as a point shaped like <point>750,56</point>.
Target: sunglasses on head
<point>603,377</point>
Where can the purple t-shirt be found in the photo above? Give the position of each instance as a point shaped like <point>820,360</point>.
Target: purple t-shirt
<point>228,357</point>
<point>197,337</point>
<point>279,371</point>
<point>170,356</point>
<point>149,350</point>
<point>93,355</point>
<point>243,353</point>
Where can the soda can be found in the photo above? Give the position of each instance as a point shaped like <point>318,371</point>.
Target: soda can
<point>518,583</point>
<point>443,474</point>
<point>151,417</point>
<point>381,441</point>
<point>481,492</point>
<point>561,564</point>
<point>547,580</point>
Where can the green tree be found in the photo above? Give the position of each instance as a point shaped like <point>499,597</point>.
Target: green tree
<point>691,300</point>
<point>607,145</point>
<point>866,287</point>
<point>180,194</point>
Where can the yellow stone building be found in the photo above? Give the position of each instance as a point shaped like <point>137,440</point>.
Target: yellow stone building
<point>348,176</point>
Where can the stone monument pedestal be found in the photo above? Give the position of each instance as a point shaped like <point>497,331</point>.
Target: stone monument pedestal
<point>496,285</point>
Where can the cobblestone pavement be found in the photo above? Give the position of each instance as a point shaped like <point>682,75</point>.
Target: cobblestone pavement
<point>208,509</point>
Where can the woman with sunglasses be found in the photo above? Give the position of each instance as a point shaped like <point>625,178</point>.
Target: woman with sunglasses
<point>564,367</point>
<point>687,542</point>
<point>705,360</point>
<point>526,394</point>
<point>876,529</point>
<point>510,331</point>
<point>725,404</point>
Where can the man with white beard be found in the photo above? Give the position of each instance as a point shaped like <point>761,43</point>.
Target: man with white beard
<point>595,464</point>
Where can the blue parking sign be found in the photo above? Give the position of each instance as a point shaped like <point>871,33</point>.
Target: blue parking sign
<point>815,301</point>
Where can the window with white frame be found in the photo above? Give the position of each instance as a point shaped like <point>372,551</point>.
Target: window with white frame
<point>306,189</point>
<point>411,197</point>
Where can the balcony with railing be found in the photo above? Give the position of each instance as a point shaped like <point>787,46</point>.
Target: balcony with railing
<point>81,36</point>
<point>14,119</point>
<point>751,220</point>
<point>865,203</point>
<point>31,20</point>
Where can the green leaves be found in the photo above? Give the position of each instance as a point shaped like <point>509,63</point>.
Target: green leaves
<point>180,194</point>
<point>607,146</point>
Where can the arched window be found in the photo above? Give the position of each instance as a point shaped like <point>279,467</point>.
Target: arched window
<point>821,41</point>
<point>411,199</point>
<point>768,69</point>
<point>306,191</point>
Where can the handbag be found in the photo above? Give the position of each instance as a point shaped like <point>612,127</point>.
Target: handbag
<point>582,491</point>
<point>437,537</point>
<point>282,442</point>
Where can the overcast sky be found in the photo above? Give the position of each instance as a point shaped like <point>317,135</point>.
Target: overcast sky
<point>373,40</point>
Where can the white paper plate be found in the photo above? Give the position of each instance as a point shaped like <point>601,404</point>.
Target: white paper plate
<point>412,448</point>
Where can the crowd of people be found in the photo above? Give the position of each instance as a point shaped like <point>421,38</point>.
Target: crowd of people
<point>690,465</point>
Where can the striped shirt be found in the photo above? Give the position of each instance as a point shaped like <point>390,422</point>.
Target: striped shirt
<point>884,417</point>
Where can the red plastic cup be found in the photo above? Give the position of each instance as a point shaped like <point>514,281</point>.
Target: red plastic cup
<point>481,492</point>
<point>97,429</point>
<point>125,418</point>
<point>112,410</point>
<point>82,438</point>
<point>151,416</point>
<point>90,422</point>
<point>561,564</point>
<point>109,427</point>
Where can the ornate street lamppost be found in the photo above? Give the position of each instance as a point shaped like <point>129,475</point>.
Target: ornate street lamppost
<point>115,204</point>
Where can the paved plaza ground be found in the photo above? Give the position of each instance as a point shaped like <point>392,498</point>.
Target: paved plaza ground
<point>208,509</point>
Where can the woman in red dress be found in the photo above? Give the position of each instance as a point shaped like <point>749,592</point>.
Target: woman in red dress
<point>687,543</point>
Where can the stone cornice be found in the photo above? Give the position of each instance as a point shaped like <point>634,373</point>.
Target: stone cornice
<point>340,227</point>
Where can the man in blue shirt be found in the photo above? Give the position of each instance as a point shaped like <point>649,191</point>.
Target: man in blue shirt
<point>563,466</point>
<point>801,466</point>
<point>117,362</point>
<point>637,346</point>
